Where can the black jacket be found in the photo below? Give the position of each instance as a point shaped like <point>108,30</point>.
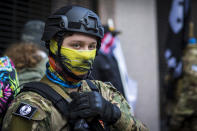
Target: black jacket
<point>105,68</point>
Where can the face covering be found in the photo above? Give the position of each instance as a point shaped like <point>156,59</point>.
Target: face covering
<point>79,62</point>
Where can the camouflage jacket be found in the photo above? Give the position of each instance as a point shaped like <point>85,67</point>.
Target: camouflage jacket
<point>184,110</point>
<point>47,118</point>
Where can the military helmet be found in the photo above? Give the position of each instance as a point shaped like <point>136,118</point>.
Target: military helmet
<point>73,19</point>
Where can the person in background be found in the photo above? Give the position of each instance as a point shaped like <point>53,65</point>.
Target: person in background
<point>72,35</point>
<point>105,67</point>
<point>30,61</point>
<point>32,33</point>
<point>183,110</point>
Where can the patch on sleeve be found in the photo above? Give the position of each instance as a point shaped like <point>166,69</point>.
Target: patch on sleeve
<point>25,110</point>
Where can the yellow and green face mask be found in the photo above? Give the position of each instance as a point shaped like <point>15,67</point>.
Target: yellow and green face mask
<point>79,62</point>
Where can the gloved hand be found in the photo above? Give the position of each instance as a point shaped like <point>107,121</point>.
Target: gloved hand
<point>93,105</point>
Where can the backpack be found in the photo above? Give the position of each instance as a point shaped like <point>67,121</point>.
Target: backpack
<point>9,85</point>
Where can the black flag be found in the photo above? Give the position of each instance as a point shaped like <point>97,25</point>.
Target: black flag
<point>177,36</point>
<point>176,41</point>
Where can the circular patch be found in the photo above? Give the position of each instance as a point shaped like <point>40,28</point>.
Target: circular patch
<point>25,110</point>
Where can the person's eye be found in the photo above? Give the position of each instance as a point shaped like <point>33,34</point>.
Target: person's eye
<point>76,46</point>
<point>92,47</point>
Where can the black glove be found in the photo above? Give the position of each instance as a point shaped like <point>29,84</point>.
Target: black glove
<point>93,105</point>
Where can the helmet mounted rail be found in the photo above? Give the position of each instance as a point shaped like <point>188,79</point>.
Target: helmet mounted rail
<point>75,19</point>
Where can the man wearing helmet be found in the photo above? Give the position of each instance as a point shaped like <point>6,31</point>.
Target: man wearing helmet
<point>72,35</point>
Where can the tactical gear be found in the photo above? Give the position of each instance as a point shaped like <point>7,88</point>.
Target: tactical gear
<point>73,19</point>
<point>45,91</point>
<point>183,110</point>
<point>62,104</point>
<point>48,117</point>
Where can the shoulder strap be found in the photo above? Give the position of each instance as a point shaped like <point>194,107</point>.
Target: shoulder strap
<point>92,86</point>
<point>47,92</point>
